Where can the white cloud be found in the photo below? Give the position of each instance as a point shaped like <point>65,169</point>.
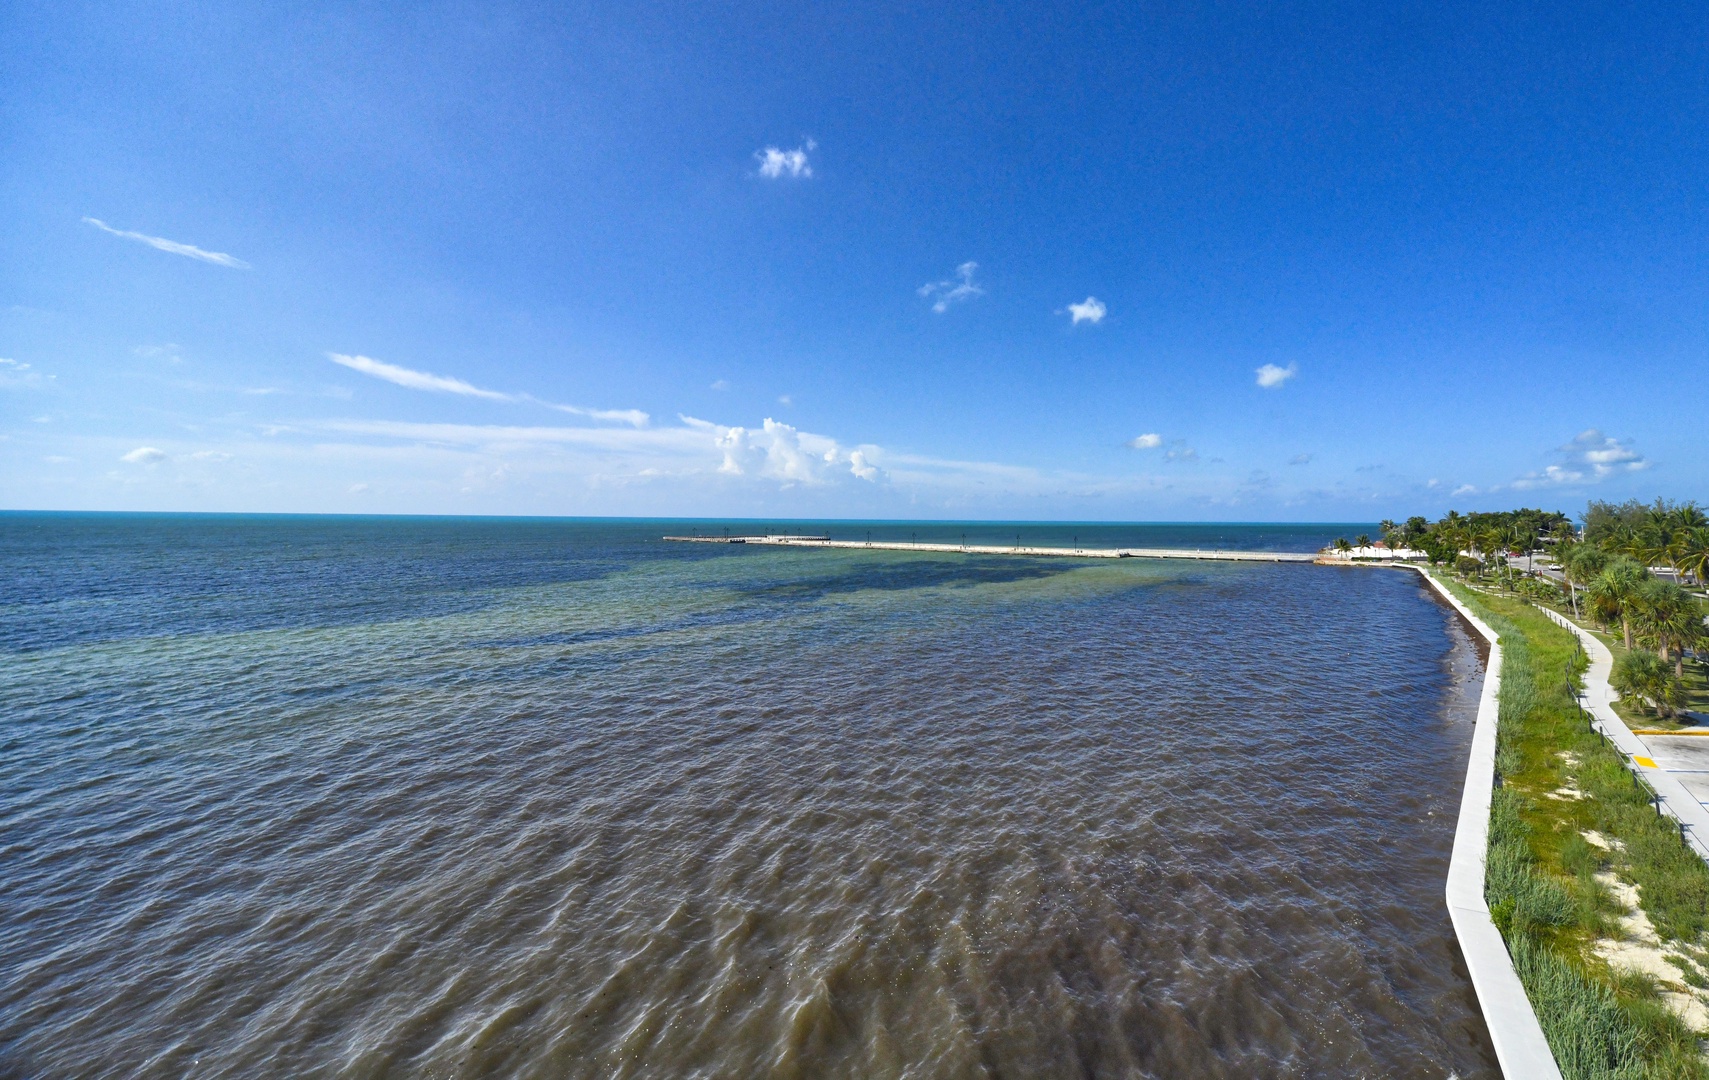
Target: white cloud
<point>145,455</point>
<point>1092,311</point>
<point>1463,489</point>
<point>1588,459</point>
<point>445,384</point>
<point>1149,441</point>
<point>1604,453</point>
<point>17,375</point>
<point>1270,376</point>
<point>774,452</point>
<point>776,163</point>
<point>785,399</point>
<point>190,251</point>
<point>953,291</point>
<point>1180,451</point>
<point>721,384</point>
<point>633,417</point>
<point>415,380</point>
<point>781,452</point>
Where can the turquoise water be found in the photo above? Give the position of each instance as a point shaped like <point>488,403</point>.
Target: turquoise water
<point>332,796</point>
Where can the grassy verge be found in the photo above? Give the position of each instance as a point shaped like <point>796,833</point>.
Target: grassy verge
<point>1559,781</point>
<point>1635,714</point>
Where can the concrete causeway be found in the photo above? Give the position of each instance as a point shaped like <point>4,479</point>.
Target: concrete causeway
<point>1008,549</point>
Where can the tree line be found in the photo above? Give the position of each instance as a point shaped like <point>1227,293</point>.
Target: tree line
<point>1608,574</point>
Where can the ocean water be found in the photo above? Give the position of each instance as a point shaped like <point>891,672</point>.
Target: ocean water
<point>426,797</point>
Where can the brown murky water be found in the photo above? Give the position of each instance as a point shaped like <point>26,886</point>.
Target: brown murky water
<point>767,813</point>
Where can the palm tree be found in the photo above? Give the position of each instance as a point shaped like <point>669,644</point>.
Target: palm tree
<point>1644,675</point>
<point>1657,608</point>
<point>1573,560</point>
<point>1362,540</point>
<point>1342,545</point>
<point>1612,593</point>
<point>1694,552</point>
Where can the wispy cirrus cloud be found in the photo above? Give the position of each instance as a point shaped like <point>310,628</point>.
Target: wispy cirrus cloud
<point>772,452</point>
<point>954,291</point>
<point>776,164</point>
<point>160,243</point>
<point>15,374</point>
<point>415,380</point>
<point>447,384</point>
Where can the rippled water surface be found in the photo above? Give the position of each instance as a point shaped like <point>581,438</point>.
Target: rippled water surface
<point>468,798</point>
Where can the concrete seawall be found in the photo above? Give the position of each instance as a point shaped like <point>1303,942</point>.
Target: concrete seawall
<point>1512,1022</point>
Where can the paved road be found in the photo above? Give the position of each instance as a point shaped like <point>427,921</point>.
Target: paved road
<point>1685,757</point>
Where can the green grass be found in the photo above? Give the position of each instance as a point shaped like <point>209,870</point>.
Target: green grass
<point>1540,881</point>
<point>1635,714</point>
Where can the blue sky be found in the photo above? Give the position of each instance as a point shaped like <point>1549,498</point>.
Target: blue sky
<point>1238,262</point>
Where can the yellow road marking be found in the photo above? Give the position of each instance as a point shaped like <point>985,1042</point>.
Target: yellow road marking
<point>1648,763</point>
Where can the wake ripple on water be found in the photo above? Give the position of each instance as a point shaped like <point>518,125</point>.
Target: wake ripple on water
<point>672,820</point>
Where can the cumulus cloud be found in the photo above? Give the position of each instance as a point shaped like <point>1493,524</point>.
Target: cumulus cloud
<point>1092,310</point>
<point>145,455</point>
<point>446,384</point>
<point>1270,376</point>
<point>781,452</point>
<point>1604,454</point>
<point>776,164</point>
<point>189,251</point>
<point>953,291</point>
<point>1589,458</point>
<point>1177,449</point>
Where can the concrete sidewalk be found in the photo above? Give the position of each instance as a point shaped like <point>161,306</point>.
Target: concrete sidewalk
<point>1679,774</point>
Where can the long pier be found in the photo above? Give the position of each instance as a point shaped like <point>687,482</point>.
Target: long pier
<point>1008,549</point>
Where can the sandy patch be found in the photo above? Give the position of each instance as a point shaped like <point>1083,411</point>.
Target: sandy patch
<point>1641,949</point>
